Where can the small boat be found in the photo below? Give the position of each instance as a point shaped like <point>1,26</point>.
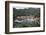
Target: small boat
<point>18,21</point>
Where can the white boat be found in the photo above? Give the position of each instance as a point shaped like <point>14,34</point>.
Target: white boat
<point>18,21</point>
